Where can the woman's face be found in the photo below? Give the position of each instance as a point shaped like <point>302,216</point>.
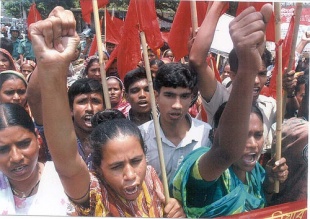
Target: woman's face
<point>13,91</point>
<point>4,63</point>
<point>115,91</point>
<point>253,148</point>
<point>19,150</point>
<point>123,166</point>
<point>26,69</point>
<point>94,71</point>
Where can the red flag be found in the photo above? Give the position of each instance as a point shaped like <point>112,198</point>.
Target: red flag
<point>270,29</point>
<point>141,16</point>
<point>87,8</point>
<point>114,29</point>
<point>33,16</point>
<point>93,46</point>
<point>286,50</point>
<point>212,63</point>
<point>180,29</point>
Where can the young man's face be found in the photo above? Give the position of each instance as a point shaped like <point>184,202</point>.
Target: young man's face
<point>260,81</point>
<point>139,97</point>
<point>84,107</point>
<point>173,103</point>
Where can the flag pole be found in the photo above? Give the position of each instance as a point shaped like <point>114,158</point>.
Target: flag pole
<point>290,66</point>
<point>155,117</point>
<point>100,53</point>
<point>277,11</point>
<point>194,16</point>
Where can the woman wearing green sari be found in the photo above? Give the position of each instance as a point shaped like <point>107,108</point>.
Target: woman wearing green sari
<point>226,179</point>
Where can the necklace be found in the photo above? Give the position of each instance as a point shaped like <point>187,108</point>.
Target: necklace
<point>23,194</point>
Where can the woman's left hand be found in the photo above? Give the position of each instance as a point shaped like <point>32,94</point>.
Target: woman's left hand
<point>277,171</point>
<point>174,209</point>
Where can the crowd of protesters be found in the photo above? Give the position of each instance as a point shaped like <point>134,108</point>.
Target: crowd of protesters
<point>63,152</point>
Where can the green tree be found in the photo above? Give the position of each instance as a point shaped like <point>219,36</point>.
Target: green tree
<point>14,8</point>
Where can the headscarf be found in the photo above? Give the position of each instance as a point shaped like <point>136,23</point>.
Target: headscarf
<point>18,74</point>
<point>9,56</point>
<point>84,70</point>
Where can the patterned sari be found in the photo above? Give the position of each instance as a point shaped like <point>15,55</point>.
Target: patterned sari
<point>105,202</point>
<point>228,193</point>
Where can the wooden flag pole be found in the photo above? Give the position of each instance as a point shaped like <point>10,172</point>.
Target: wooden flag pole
<point>290,66</point>
<point>100,52</point>
<point>194,16</point>
<point>277,10</point>
<point>105,27</point>
<point>155,117</point>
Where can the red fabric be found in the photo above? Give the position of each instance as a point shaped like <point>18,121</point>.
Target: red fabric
<point>87,8</point>
<point>141,16</point>
<point>113,56</point>
<point>114,28</point>
<point>93,46</point>
<point>210,60</point>
<point>286,50</point>
<point>33,16</point>
<point>180,29</point>
<point>270,29</point>
<point>165,36</point>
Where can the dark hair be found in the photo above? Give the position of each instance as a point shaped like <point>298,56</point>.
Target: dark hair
<point>15,115</point>
<point>105,115</point>
<point>6,44</point>
<point>175,75</point>
<point>5,77</point>
<point>120,83</point>
<point>219,112</point>
<point>300,81</point>
<point>233,59</point>
<point>84,86</point>
<point>303,110</point>
<point>134,76</point>
<point>91,61</point>
<point>108,130</point>
<point>157,62</point>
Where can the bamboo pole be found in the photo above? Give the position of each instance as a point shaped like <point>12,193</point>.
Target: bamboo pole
<point>194,16</point>
<point>105,27</point>
<point>100,52</point>
<point>277,9</point>
<point>290,66</point>
<point>155,117</point>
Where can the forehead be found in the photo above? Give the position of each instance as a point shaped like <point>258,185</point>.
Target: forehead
<point>176,91</point>
<point>89,95</point>
<point>13,82</point>
<point>13,134</point>
<point>139,83</point>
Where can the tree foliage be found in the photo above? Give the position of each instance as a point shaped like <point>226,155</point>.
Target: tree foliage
<point>14,8</point>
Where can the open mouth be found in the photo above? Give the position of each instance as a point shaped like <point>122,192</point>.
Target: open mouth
<point>131,190</point>
<point>143,103</point>
<point>87,120</point>
<point>250,158</point>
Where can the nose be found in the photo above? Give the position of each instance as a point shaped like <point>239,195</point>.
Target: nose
<point>129,173</point>
<point>251,142</point>
<point>16,96</point>
<point>142,93</point>
<point>16,155</point>
<point>257,80</point>
<point>89,106</point>
<point>177,103</point>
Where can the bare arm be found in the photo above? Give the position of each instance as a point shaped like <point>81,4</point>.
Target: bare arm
<point>303,42</point>
<point>54,41</point>
<point>200,48</point>
<point>247,33</point>
<point>34,97</point>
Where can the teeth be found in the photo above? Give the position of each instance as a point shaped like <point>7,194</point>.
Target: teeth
<point>132,190</point>
<point>19,168</point>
